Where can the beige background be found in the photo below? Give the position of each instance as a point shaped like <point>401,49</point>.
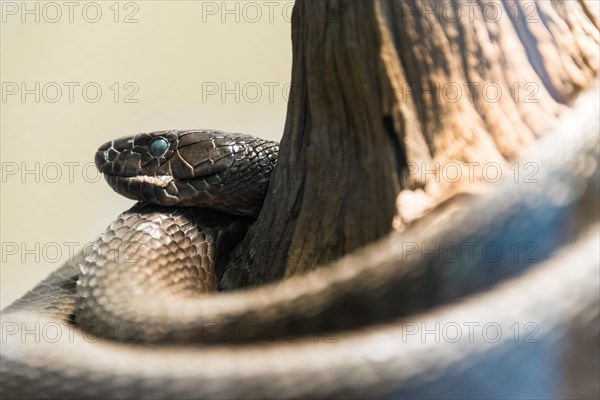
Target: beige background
<point>173,51</point>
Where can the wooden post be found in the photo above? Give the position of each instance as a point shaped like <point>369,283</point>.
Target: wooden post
<point>383,91</point>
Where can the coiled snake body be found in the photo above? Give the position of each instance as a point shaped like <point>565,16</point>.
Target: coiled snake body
<point>383,322</point>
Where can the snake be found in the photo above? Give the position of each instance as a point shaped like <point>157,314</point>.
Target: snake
<point>422,313</point>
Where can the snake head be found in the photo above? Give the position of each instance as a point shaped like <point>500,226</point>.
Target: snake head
<point>203,168</point>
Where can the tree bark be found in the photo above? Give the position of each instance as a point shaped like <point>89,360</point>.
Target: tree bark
<point>385,94</point>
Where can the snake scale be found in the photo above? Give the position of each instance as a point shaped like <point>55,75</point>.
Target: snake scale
<point>385,321</point>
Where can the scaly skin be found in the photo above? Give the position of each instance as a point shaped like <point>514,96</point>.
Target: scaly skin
<point>351,330</point>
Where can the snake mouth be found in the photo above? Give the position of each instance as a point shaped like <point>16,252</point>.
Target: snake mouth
<point>161,190</point>
<point>159,181</point>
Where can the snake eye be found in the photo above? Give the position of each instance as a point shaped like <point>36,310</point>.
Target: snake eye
<point>158,146</point>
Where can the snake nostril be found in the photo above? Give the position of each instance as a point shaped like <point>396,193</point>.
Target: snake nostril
<point>111,155</point>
